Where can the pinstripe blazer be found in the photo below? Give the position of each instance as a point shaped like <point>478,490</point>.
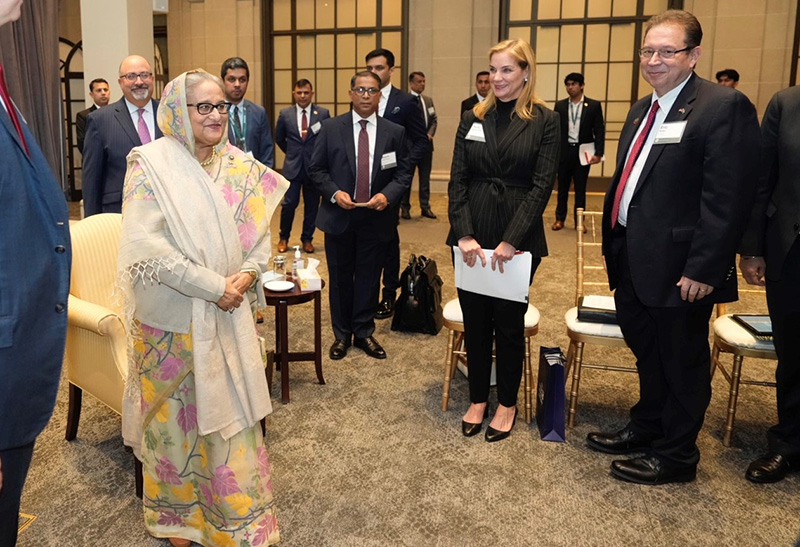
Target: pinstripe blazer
<point>498,190</point>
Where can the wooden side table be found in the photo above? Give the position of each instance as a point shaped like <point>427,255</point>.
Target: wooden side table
<point>281,301</point>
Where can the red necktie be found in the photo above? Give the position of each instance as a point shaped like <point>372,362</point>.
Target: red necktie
<point>362,172</point>
<point>304,125</point>
<point>12,112</point>
<point>632,157</point>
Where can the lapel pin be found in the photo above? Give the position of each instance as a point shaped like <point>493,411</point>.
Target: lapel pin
<point>636,121</point>
<point>681,111</point>
<point>314,112</point>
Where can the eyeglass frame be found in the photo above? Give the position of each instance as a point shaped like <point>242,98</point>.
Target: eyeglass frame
<point>360,90</point>
<point>133,76</point>
<point>226,107</point>
<point>663,53</point>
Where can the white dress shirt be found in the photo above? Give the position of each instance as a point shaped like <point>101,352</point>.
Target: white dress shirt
<point>424,108</point>
<point>574,113</point>
<point>664,106</point>
<point>384,99</point>
<point>149,119</point>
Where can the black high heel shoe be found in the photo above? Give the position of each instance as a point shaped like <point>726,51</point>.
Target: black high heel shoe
<point>468,429</point>
<point>493,435</point>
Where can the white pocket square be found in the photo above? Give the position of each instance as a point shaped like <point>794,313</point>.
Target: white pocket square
<point>395,110</point>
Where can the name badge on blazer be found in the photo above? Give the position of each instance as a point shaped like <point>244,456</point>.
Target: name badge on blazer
<point>431,111</point>
<point>388,161</point>
<point>475,133</point>
<point>670,133</point>
<point>316,127</point>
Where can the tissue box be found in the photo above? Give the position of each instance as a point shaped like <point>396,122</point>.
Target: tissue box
<point>309,280</point>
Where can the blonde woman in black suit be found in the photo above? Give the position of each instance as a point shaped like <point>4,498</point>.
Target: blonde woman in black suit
<point>504,168</point>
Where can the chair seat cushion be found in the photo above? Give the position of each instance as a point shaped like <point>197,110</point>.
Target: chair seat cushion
<point>736,335</point>
<point>452,312</point>
<point>591,329</point>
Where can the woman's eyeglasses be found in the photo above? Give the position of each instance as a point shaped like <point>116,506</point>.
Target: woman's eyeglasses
<point>206,108</point>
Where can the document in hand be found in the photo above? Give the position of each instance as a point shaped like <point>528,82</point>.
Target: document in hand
<point>512,284</point>
<point>585,153</point>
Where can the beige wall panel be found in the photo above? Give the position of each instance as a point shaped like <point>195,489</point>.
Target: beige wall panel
<point>549,9</point>
<point>652,7</point>
<point>282,14</point>
<point>547,40</point>
<point>366,13</point>
<point>326,14</point>
<point>547,83</point>
<point>619,81</point>
<point>346,50</point>
<point>595,77</point>
<point>324,86</point>
<point>343,85</point>
<point>392,12</point>
<point>520,33</point>
<point>283,52</point>
<point>393,41</point>
<point>346,13</point>
<point>304,14</point>
<point>623,8</point>
<point>621,40</point>
<point>597,37</point>
<point>776,28</point>
<point>364,44</point>
<point>282,90</point>
<point>325,51</point>
<point>572,8</point>
<point>306,51</point>
<point>520,10</point>
<point>739,31</point>
<point>571,43</point>
<point>599,8</point>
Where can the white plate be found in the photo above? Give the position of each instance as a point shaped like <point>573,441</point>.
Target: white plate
<point>279,286</point>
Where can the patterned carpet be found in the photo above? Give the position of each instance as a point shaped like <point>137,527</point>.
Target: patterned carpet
<point>370,459</point>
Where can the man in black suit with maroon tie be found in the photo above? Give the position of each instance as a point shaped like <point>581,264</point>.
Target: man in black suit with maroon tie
<point>359,166</point>
<point>672,220</point>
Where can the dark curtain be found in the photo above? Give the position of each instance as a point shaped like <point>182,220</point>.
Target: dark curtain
<point>29,54</point>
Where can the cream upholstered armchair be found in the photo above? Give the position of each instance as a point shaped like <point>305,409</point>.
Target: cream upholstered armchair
<point>96,354</point>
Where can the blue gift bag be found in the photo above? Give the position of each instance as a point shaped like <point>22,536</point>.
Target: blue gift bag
<point>551,395</point>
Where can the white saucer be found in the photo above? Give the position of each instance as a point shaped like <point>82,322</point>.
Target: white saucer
<point>279,286</point>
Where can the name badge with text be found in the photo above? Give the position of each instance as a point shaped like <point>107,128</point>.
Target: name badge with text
<point>475,133</point>
<point>316,127</point>
<point>388,160</point>
<point>431,111</point>
<point>670,133</point>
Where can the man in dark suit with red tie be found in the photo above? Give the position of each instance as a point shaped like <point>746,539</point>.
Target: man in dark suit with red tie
<point>359,166</point>
<point>34,287</point>
<point>672,220</point>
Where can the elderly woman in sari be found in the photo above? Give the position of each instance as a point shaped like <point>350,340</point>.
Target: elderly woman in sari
<point>195,237</point>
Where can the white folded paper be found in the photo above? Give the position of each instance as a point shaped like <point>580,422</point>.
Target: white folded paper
<point>309,277</point>
<point>585,153</point>
<point>512,284</point>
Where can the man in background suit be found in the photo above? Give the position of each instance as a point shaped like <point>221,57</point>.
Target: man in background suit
<point>672,220</point>
<point>416,82</point>
<point>296,134</point>
<point>403,109</point>
<point>581,123</point>
<point>112,132</point>
<point>728,77</point>
<point>482,85</point>
<point>35,258</point>
<point>771,249</point>
<point>359,166</point>
<point>100,94</point>
<point>248,124</point>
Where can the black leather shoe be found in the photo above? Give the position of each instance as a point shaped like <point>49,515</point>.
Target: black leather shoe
<point>469,429</point>
<point>771,467</point>
<point>370,346</point>
<point>385,309</point>
<point>623,441</point>
<point>493,435</point>
<point>339,349</point>
<point>650,470</point>
<point>427,213</point>
<point>405,214</point>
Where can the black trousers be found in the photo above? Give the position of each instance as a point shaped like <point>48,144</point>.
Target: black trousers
<point>783,300</point>
<point>16,462</point>
<point>492,321</point>
<point>354,262</point>
<point>390,262</point>
<point>673,359</point>
<point>291,200</point>
<point>424,167</point>
<point>570,169</point>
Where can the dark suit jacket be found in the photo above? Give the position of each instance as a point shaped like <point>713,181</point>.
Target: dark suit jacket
<point>34,286</point>
<point>80,125</point>
<point>592,128</point>
<point>259,133</point>
<point>333,168</point>
<point>433,120</point>
<point>775,220</point>
<point>298,151</point>
<point>692,199</point>
<point>403,109</point>
<point>110,136</point>
<point>468,104</point>
<point>499,190</point>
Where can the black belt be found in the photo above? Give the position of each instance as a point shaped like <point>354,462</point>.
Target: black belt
<point>499,183</point>
<point>574,143</point>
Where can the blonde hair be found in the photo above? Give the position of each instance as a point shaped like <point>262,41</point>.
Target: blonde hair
<point>523,54</point>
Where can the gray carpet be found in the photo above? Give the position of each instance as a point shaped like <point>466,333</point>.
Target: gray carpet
<point>370,459</point>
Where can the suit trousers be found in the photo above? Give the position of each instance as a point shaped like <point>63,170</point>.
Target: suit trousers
<point>354,262</point>
<point>673,359</point>
<point>391,261</point>
<point>291,200</point>
<point>424,169</point>
<point>783,300</point>
<point>16,462</point>
<point>569,169</point>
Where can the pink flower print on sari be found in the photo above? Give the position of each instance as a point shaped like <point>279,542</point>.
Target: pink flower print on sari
<point>168,518</point>
<point>224,483</point>
<point>268,182</point>
<point>170,367</point>
<point>187,418</point>
<point>231,196</point>
<point>167,471</point>
<point>263,462</point>
<point>207,493</point>
<point>267,525</point>
<point>247,234</point>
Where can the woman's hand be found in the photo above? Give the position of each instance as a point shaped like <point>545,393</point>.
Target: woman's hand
<point>232,298</point>
<point>471,251</point>
<point>502,254</point>
<point>242,282</point>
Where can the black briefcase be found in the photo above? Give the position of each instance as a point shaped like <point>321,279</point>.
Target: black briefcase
<point>419,306</point>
